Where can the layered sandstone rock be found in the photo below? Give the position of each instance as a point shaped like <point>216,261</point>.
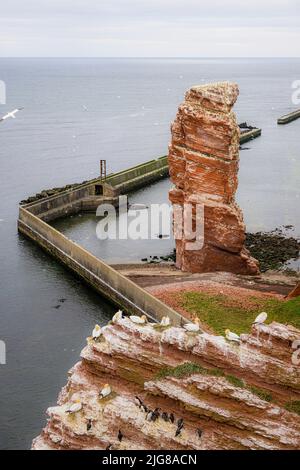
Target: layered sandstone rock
<point>224,390</point>
<point>203,164</point>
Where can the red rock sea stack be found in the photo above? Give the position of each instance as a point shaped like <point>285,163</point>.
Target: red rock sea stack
<point>203,163</point>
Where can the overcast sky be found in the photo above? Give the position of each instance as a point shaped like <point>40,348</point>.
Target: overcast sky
<point>152,28</point>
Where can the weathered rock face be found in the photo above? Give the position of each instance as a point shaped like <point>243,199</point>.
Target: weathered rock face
<point>203,164</point>
<point>216,394</point>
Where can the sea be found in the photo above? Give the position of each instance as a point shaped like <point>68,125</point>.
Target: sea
<point>76,112</point>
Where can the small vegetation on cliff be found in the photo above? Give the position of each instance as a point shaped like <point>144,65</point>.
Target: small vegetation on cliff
<point>262,394</point>
<point>189,368</point>
<point>293,406</point>
<point>220,311</point>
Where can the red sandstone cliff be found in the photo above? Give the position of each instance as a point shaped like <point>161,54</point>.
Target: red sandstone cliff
<point>231,396</point>
<point>203,164</point>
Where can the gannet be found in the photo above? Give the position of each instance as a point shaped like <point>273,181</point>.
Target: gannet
<point>106,390</point>
<point>232,336</point>
<point>165,321</point>
<point>261,318</point>
<point>11,114</point>
<point>139,320</point>
<point>193,327</point>
<point>75,407</point>
<point>117,316</point>
<point>96,332</point>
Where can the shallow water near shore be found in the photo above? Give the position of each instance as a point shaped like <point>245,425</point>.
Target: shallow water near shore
<point>76,112</point>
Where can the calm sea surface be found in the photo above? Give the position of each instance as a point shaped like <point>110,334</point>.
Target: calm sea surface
<point>77,111</point>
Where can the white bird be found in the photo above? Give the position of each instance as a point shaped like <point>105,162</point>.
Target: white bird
<point>261,318</point>
<point>11,114</point>
<point>232,336</point>
<point>193,327</point>
<point>117,316</point>
<point>139,320</point>
<point>165,321</point>
<point>96,332</point>
<point>106,390</point>
<point>75,407</point>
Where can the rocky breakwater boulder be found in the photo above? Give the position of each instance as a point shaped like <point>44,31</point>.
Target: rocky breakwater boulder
<point>203,163</point>
<point>173,389</point>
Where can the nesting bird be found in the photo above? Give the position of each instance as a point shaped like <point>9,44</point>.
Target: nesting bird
<point>120,436</point>
<point>96,333</point>
<point>89,425</point>
<point>261,318</point>
<point>165,321</point>
<point>193,327</point>
<point>199,432</point>
<point>117,316</point>
<point>75,407</point>
<point>171,418</point>
<point>139,320</point>
<point>232,336</point>
<point>106,390</point>
<point>165,417</point>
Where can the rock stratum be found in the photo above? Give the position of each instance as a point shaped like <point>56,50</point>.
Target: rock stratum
<point>230,396</point>
<point>203,164</point>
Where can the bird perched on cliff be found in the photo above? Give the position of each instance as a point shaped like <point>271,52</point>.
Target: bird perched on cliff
<point>165,417</point>
<point>106,390</point>
<point>12,114</point>
<point>165,321</point>
<point>261,318</point>
<point>178,432</point>
<point>109,447</point>
<point>75,407</point>
<point>232,336</point>
<point>96,333</point>
<point>193,327</point>
<point>171,418</point>
<point>139,320</point>
<point>117,316</point>
<point>120,436</point>
<point>180,423</point>
<point>89,425</point>
<point>199,432</point>
<point>153,415</point>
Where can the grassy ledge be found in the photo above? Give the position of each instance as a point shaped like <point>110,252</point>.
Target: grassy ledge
<point>189,368</point>
<point>293,406</point>
<point>219,312</point>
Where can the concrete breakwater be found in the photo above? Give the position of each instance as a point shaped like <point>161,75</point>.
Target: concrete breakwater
<point>289,117</point>
<point>32,222</point>
<point>246,136</point>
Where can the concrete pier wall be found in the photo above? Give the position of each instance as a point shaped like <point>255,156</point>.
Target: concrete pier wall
<point>106,280</point>
<point>102,277</point>
<point>289,117</point>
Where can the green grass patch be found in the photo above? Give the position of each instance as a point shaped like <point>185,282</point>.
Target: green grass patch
<point>262,394</point>
<point>233,380</point>
<point>293,406</point>
<point>219,312</point>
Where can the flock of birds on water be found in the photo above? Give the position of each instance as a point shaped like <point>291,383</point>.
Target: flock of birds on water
<point>153,415</point>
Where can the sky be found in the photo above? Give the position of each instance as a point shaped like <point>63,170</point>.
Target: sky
<point>152,28</point>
